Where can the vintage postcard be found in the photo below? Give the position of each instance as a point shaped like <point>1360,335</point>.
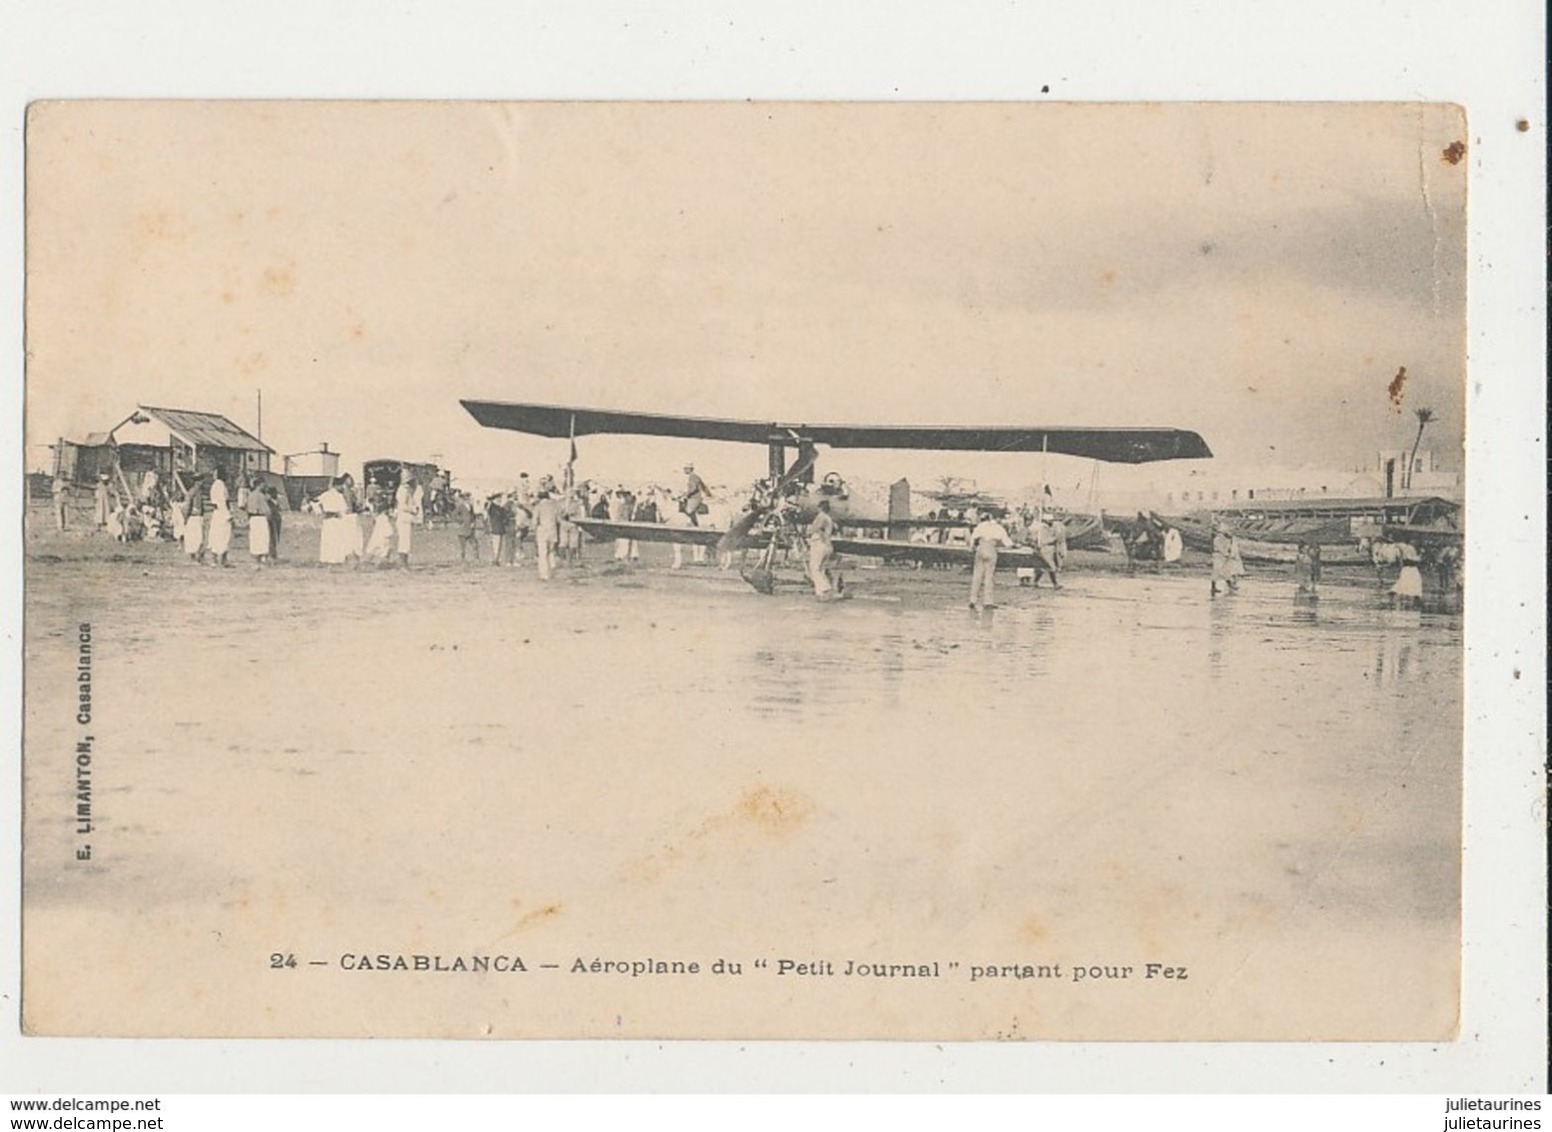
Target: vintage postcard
<point>744,570</point>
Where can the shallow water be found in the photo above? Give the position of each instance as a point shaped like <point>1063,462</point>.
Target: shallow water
<point>1121,768</point>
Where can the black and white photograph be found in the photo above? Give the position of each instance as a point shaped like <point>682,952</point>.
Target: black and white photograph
<point>734,570</point>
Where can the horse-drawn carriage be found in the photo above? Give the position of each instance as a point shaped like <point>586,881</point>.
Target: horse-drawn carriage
<point>436,485</point>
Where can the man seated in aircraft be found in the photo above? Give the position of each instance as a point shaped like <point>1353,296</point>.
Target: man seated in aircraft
<point>833,486</point>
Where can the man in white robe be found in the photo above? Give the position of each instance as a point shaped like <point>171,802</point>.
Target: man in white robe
<point>334,540</point>
<point>218,534</point>
<point>406,514</point>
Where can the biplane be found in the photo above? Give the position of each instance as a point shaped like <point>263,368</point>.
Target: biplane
<point>784,501</point>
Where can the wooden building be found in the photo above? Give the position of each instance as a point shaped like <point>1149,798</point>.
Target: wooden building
<point>172,442</point>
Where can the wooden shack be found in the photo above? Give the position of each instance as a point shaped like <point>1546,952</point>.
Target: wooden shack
<point>172,442</point>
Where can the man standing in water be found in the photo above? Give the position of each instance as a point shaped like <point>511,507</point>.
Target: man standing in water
<point>821,554</point>
<point>1306,569</point>
<point>987,536</point>
<point>1227,565</point>
<point>1044,536</point>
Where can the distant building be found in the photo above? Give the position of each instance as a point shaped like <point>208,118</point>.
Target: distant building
<point>1424,477</point>
<point>1202,486</point>
<point>308,475</point>
<point>321,463</point>
<point>173,442</point>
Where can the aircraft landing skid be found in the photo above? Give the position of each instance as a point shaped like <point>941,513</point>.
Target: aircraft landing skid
<point>763,578</point>
<point>762,575</point>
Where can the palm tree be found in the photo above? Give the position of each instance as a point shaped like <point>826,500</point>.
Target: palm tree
<point>1424,418</point>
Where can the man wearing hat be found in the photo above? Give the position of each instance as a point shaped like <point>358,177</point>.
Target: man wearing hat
<point>692,503</point>
<point>694,498</point>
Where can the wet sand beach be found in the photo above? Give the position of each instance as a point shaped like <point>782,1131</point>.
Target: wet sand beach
<point>638,763</point>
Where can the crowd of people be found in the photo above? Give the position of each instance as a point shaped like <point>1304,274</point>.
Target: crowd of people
<point>375,526</point>
<point>199,513</point>
<point>1044,533</point>
<point>542,512</point>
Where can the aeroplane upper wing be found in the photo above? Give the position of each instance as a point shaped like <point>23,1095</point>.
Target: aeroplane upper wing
<point>561,421</point>
<point>1117,445</point>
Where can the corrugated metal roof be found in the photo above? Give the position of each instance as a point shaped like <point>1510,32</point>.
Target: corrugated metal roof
<point>207,429</point>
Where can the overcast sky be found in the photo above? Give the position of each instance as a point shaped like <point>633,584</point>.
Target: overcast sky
<point>1256,273</point>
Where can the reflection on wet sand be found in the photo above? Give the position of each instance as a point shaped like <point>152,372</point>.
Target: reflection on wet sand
<point>1266,789</point>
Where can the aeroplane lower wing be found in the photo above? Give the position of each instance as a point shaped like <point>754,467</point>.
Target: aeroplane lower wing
<point>606,529</point>
<point>929,553</point>
<point>1116,445</point>
<point>892,550</point>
